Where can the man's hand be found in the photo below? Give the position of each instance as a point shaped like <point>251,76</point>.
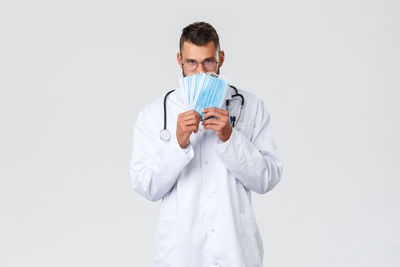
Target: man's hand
<point>221,124</point>
<point>187,123</point>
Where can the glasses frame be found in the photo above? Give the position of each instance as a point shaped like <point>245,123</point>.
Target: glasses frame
<point>202,63</point>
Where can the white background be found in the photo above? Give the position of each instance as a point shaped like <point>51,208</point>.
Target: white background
<point>74,75</point>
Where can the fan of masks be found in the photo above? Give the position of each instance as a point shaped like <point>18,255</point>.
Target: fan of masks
<point>203,90</point>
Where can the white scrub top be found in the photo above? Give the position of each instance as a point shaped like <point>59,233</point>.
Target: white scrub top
<point>206,216</point>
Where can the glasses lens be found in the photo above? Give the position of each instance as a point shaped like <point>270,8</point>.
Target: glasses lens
<point>190,65</point>
<point>210,64</point>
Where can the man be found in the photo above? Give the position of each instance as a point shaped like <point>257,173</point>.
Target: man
<point>205,173</point>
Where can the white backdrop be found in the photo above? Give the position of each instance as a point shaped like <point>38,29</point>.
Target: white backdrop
<point>74,74</point>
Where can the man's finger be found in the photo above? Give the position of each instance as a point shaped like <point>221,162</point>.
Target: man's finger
<point>191,114</point>
<point>189,129</point>
<point>213,122</point>
<point>218,114</point>
<point>214,127</point>
<point>217,110</point>
<point>188,118</point>
<point>191,122</point>
<point>186,113</point>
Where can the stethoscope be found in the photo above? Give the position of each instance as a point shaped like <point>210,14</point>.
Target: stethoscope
<point>165,135</point>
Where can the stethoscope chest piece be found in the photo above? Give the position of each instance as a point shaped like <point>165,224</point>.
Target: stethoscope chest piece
<point>165,135</point>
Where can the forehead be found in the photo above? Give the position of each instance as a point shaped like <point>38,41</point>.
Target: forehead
<point>192,51</point>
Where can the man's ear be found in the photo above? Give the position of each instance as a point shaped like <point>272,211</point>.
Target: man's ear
<point>221,57</point>
<point>179,59</point>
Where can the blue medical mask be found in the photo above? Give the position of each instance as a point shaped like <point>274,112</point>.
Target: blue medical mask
<point>203,91</point>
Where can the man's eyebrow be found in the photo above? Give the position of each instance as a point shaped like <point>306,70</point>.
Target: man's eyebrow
<point>203,60</point>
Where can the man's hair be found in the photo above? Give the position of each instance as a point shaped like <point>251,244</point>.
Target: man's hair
<point>199,33</point>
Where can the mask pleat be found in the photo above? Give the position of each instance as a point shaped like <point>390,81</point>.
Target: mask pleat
<point>203,90</point>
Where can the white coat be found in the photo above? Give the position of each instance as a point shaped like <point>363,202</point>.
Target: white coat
<point>206,216</point>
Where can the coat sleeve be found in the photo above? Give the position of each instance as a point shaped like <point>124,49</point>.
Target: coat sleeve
<point>253,161</point>
<point>155,165</point>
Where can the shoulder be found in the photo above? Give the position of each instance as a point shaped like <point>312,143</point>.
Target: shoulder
<point>153,112</point>
<point>253,104</point>
<point>150,114</point>
<point>157,105</point>
<point>250,97</point>
<point>254,116</point>
<point>152,107</point>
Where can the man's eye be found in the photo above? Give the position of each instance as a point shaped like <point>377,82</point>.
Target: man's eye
<point>210,60</point>
<point>191,61</point>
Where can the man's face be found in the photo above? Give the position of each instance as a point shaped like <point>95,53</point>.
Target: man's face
<point>192,53</point>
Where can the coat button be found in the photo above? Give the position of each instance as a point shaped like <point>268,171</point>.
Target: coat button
<point>210,233</point>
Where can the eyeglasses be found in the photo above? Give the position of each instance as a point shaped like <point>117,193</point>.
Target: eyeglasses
<point>209,64</point>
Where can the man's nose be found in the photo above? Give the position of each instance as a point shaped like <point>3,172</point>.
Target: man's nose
<point>200,68</point>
